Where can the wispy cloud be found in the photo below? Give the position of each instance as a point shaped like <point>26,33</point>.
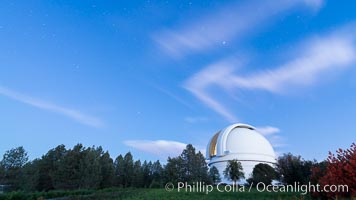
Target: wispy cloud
<point>171,95</point>
<point>314,57</point>
<point>267,130</point>
<point>277,141</point>
<point>71,113</point>
<point>199,83</point>
<point>272,135</point>
<point>229,23</point>
<point>162,148</point>
<point>321,55</point>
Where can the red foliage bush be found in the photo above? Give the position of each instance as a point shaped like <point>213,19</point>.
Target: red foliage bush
<point>340,170</point>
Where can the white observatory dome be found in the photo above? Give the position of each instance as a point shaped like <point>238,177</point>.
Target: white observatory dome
<point>243,143</point>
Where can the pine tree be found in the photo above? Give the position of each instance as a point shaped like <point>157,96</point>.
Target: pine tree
<point>12,163</point>
<point>188,167</point>
<point>89,169</point>
<point>107,170</point>
<point>67,174</point>
<point>30,176</point>
<point>157,175</point>
<point>173,171</point>
<point>48,165</point>
<point>129,169</point>
<point>119,171</point>
<point>146,174</point>
<point>233,171</point>
<point>137,176</point>
<point>214,175</point>
<point>200,168</point>
<point>263,173</point>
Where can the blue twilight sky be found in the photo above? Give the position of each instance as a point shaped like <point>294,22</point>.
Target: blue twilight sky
<point>151,76</point>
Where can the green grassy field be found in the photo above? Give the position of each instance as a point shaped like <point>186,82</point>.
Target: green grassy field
<point>131,193</point>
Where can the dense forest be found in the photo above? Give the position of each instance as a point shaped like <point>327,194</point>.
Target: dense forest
<point>93,168</point>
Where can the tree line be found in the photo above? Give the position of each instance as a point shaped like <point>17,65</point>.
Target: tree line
<point>93,168</point>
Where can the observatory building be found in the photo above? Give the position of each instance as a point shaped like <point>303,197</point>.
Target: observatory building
<point>243,143</point>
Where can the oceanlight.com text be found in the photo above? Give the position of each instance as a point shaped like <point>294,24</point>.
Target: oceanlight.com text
<point>202,187</point>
